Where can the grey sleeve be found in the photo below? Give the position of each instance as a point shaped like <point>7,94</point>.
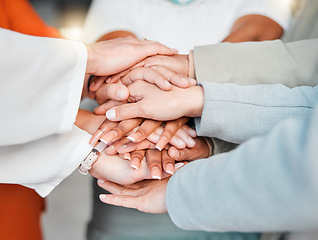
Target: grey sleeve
<point>236,113</point>
<point>269,183</point>
<point>269,62</point>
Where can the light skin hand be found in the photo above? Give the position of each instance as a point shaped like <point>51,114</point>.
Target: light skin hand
<point>153,103</point>
<point>146,196</point>
<point>176,63</point>
<point>116,169</point>
<point>199,151</point>
<point>158,75</point>
<point>109,57</point>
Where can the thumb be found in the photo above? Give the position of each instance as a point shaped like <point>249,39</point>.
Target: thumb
<point>125,111</point>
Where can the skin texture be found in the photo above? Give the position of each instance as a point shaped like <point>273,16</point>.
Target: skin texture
<point>153,103</point>
<point>149,195</point>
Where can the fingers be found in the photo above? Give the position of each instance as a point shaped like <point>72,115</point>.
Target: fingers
<point>168,163</point>
<point>145,129</point>
<point>154,48</point>
<point>182,139</point>
<point>102,109</point>
<point>116,77</point>
<point>169,131</point>
<point>129,147</point>
<point>174,78</point>
<point>112,91</point>
<point>149,75</point>
<point>136,158</point>
<point>96,83</point>
<point>120,130</point>
<point>200,150</point>
<point>125,111</point>
<point>104,127</point>
<point>153,158</point>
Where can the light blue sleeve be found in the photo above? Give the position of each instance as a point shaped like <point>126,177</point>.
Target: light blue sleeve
<point>268,183</point>
<point>236,113</point>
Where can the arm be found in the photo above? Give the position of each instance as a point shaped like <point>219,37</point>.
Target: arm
<point>266,184</point>
<point>292,64</point>
<point>236,113</point>
<point>254,27</point>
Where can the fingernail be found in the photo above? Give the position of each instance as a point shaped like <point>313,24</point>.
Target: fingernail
<point>134,167</point>
<point>102,196</point>
<point>193,81</point>
<point>111,147</point>
<point>181,142</point>
<point>100,181</point>
<point>185,80</point>
<point>193,132</point>
<point>102,140</point>
<point>109,137</point>
<point>134,136</point>
<point>158,148</point>
<point>95,137</point>
<point>121,94</point>
<point>156,173</point>
<point>170,168</point>
<point>131,139</point>
<point>167,83</point>
<point>127,156</point>
<point>92,85</point>
<point>179,165</point>
<point>175,154</point>
<point>191,142</point>
<point>111,114</point>
<point>122,148</point>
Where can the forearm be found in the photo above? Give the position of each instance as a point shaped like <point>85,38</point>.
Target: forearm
<point>236,113</point>
<point>267,184</point>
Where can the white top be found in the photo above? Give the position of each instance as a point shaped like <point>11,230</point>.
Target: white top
<point>178,26</point>
<point>42,80</point>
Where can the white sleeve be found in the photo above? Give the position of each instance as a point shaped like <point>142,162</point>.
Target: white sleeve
<point>44,163</point>
<point>41,87</point>
<point>42,80</point>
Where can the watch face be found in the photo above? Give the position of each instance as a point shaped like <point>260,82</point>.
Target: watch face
<point>182,2</point>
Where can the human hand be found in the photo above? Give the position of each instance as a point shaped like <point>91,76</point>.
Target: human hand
<point>153,103</point>
<point>176,63</point>
<point>109,57</point>
<point>176,133</point>
<point>116,169</point>
<point>146,196</point>
<point>202,149</point>
<point>158,75</point>
<point>143,134</point>
<point>254,27</point>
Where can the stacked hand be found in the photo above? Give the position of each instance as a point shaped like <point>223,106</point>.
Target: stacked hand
<point>148,101</point>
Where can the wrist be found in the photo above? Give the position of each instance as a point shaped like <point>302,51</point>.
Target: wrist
<point>90,61</point>
<point>193,101</point>
<point>191,68</point>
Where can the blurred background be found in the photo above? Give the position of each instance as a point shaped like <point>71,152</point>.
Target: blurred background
<point>67,15</point>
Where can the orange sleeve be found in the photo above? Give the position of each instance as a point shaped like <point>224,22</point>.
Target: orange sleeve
<point>21,17</point>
